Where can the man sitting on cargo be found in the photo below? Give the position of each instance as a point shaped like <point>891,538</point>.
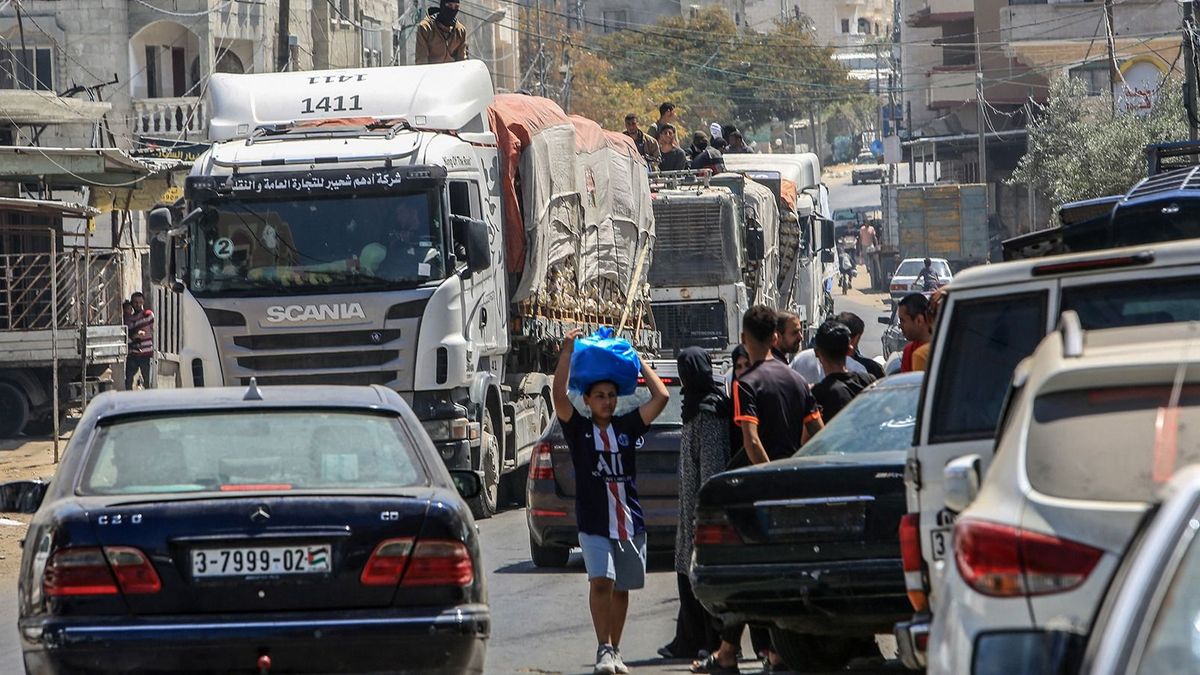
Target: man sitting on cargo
<point>441,37</point>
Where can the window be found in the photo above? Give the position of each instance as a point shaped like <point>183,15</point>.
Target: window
<point>864,27</point>
<point>1135,303</point>
<point>615,20</point>
<point>372,42</point>
<point>984,342</point>
<point>1094,76</point>
<point>30,68</point>
<point>1171,644</point>
<point>845,25</point>
<point>152,89</point>
<point>877,28</point>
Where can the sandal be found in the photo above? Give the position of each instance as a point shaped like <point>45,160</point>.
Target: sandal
<point>710,664</point>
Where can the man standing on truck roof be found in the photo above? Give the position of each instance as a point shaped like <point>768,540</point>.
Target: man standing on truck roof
<point>672,156</point>
<point>646,145</point>
<point>612,531</point>
<point>666,117</point>
<point>141,342</point>
<point>913,313</point>
<point>441,37</point>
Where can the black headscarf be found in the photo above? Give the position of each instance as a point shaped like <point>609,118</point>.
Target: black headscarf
<point>739,352</point>
<point>700,391</point>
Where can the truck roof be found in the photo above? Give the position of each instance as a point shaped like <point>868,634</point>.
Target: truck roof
<point>1092,262</point>
<point>449,96</point>
<point>802,169</point>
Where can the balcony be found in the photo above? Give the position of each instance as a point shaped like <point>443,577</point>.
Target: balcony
<point>933,13</point>
<point>951,88</point>
<point>185,117</point>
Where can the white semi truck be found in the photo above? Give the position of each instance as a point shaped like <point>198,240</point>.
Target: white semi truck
<point>404,227</point>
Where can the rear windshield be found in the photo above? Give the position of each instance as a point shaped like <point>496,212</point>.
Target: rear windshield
<point>911,268</point>
<point>1114,444</point>
<point>1135,303</point>
<point>877,420</point>
<point>257,450</point>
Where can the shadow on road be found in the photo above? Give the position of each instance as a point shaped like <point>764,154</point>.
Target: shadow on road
<point>659,562</point>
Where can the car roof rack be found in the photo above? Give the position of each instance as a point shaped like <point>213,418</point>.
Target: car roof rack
<point>1072,334</point>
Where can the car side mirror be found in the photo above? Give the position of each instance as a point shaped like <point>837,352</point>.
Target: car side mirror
<point>22,496</point>
<point>885,320</point>
<point>468,483</point>
<point>755,244</point>
<point>160,220</point>
<point>960,480</point>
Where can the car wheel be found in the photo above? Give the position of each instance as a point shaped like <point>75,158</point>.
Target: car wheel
<point>816,653</point>
<point>484,506</point>
<point>14,410</point>
<point>548,556</point>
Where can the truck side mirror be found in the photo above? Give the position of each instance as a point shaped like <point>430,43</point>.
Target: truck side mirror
<point>885,320</point>
<point>755,244</point>
<point>159,254</point>
<point>479,248</point>
<point>828,234</point>
<point>160,220</point>
<point>827,255</point>
<point>960,479</point>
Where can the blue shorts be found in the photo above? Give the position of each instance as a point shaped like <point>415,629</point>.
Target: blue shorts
<point>622,561</point>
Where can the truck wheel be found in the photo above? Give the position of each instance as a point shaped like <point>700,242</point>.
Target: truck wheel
<point>815,653</point>
<point>14,410</point>
<point>484,506</point>
<point>548,556</point>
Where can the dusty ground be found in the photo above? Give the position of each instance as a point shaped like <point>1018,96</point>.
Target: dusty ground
<point>21,459</point>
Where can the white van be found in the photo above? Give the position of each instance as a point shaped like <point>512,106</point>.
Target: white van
<point>993,317</point>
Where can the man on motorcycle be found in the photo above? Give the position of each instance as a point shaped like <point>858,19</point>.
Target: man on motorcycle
<point>846,263</point>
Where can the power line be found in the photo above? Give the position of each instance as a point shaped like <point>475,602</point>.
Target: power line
<point>219,8</point>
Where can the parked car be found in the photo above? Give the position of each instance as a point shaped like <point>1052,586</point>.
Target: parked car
<point>305,529</point>
<point>808,545</point>
<point>867,169</point>
<point>551,487</point>
<point>1096,423</point>
<point>893,338</point>
<point>906,275</point>
<point>991,318</point>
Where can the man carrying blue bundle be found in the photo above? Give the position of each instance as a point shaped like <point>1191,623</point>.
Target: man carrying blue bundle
<point>603,448</point>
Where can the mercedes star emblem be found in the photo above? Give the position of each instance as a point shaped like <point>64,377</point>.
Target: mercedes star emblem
<point>261,515</point>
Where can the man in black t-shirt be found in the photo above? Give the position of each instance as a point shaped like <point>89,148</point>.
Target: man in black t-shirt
<point>840,386</point>
<point>772,402</point>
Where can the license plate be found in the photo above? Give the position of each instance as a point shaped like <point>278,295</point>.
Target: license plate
<point>817,521</point>
<point>261,560</point>
<point>939,542</point>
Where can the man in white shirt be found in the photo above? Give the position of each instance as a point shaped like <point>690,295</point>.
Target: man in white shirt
<point>809,367</point>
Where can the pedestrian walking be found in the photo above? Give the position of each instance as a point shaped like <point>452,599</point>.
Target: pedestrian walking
<point>857,327</point>
<point>840,385</point>
<point>704,451</point>
<point>441,37</point>
<point>646,145</point>
<point>672,156</point>
<point>913,313</point>
<point>141,342</point>
<point>612,532</point>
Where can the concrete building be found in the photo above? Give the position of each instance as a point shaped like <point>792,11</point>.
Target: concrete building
<point>838,23</point>
<point>148,61</point>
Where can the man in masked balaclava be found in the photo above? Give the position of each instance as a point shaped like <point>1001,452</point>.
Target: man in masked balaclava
<point>441,37</point>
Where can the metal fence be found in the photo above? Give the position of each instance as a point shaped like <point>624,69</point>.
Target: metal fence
<point>89,290</point>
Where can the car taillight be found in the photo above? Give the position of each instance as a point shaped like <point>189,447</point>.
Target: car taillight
<point>898,287</point>
<point>386,563</point>
<point>135,575</point>
<point>541,467</point>
<point>440,563</point>
<point>910,557</point>
<point>427,563</point>
<point>99,571</point>
<point>715,530</point>
<point>1004,561</point>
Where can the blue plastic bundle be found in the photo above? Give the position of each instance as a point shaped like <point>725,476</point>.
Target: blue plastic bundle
<point>604,358</point>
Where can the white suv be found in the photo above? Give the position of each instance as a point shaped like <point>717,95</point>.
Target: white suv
<point>1096,423</point>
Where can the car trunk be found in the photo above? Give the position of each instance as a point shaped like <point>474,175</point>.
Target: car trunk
<point>657,464</point>
<point>193,544</point>
<point>809,510</point>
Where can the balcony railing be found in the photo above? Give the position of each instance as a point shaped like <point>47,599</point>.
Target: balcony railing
<point>186,116</point>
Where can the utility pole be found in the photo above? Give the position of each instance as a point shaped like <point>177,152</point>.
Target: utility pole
<point>541,55</point>
<point>1114,75</point>
<point>878,107</point>
<point>282,49</point>
<point>1189,52</point>
<point>981,121</point>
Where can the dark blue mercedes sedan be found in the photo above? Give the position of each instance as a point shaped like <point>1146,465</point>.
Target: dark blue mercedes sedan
<point>287,529</point>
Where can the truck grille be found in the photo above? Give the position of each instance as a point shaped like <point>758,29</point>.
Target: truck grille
<point>350,338</point>
<point>684,226</point>
<point>353,357</point>
<point>692,324</point>
<point>301,361</point>
<point>345,379</point>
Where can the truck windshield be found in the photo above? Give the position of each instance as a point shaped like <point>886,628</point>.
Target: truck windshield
<point>351,243</point>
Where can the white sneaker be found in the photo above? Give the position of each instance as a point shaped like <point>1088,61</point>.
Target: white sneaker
<point>606,661</point>
<point>619,662</point>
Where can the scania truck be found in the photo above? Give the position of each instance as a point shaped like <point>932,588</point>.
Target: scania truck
<point>409,228</point>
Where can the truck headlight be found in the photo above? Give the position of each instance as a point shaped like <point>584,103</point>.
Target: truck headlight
<point>456,429</point>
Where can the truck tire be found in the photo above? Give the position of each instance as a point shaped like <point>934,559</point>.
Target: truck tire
<point>548,556</point>
<point>14,410</point>
<point>485,505</point>
<point>816,653</point>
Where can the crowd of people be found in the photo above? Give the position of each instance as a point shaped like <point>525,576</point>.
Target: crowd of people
<point>660,145</point>
<point>777,397</point>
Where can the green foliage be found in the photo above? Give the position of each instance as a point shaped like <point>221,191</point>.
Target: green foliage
<point>1079,150</point>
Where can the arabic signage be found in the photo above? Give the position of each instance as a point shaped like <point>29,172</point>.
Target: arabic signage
<point>314,183</point>
<point>167,149</point>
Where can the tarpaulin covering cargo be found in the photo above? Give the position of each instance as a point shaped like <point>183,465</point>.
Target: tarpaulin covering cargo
<point>765,208</point>
<point>577,214</point>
